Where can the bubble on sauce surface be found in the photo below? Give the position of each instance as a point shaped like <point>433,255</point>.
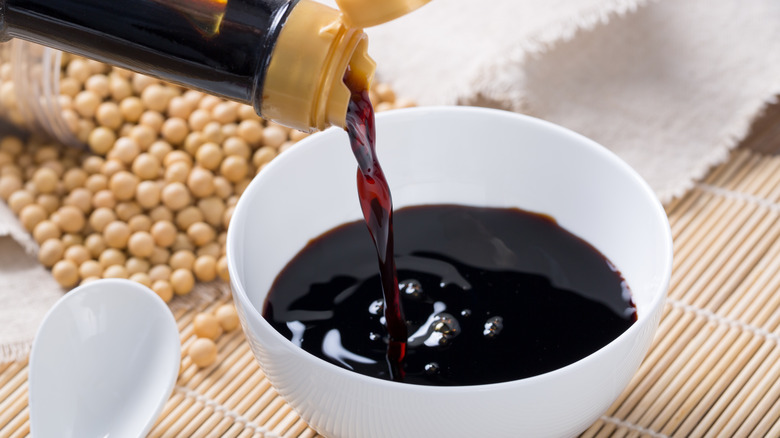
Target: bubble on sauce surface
<point>493,326</point>
<point>432,368</point>
<point>443,329</point>
<point>377,307</point>
<point>411,288</point>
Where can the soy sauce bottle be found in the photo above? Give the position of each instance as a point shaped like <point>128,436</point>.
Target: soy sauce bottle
<point>286,58</point>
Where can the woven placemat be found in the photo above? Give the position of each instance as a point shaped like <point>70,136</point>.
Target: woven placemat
<point>713,370</point>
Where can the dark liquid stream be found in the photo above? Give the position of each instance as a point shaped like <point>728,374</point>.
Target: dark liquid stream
<point>377,205</point>
<point>490,295</point>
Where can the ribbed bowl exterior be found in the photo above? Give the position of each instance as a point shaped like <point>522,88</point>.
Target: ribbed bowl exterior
<point>430,156</point>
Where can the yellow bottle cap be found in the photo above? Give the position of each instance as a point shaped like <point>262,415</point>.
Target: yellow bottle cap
<point>304,83</point>
<point>367,13</point>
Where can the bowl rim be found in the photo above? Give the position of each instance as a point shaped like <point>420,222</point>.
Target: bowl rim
<point>657,301</point>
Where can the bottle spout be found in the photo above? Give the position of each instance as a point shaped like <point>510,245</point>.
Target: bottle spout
<point>362,67</point>
<point>304,83</point>
<point>367,13</point>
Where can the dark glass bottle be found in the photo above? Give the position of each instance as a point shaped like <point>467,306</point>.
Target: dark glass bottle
<point>287,58</point>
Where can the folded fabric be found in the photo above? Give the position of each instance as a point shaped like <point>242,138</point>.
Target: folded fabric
<point>27,289</point>
<point>670,86</point>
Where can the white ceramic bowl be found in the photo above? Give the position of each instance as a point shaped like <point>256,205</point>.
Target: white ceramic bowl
<point>469,156</point>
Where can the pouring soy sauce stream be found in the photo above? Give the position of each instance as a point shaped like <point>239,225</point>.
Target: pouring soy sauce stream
<point>377,205</point>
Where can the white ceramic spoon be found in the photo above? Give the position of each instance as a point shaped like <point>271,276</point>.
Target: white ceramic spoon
<point>103,363</point>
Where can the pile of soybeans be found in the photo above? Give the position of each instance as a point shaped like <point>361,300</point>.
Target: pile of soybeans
<point>151,195</point>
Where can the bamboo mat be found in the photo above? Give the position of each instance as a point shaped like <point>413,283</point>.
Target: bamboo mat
<point>713,370</point>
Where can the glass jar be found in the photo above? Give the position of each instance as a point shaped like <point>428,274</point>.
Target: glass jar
<point>30,89</point>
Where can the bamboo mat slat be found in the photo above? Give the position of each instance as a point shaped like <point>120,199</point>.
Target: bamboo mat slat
<point>713,369</point>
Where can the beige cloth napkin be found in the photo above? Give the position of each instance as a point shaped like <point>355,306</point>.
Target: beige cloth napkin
<point>27,289</point>
<point>668,85</point>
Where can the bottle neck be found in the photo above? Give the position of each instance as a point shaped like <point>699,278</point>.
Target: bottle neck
<point>218,46</point>
<point>287,58</point>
